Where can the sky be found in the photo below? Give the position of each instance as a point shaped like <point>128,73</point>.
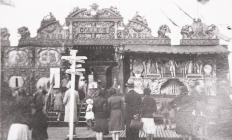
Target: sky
<point>29,13</point>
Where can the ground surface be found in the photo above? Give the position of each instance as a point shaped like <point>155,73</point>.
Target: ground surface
<point>60,133</point>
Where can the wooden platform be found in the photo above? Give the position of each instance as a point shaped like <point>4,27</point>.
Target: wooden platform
<point>60,133</point>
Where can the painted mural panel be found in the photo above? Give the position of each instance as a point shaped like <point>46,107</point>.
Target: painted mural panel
<point>47,57</point>
<point>17,57</point>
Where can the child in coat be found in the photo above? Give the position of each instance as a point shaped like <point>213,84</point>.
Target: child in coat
<point>89,115</point>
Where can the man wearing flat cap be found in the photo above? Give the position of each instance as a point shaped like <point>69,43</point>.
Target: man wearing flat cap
<point>133,103</point>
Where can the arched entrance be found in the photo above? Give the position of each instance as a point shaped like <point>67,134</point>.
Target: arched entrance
<point>173,87</point>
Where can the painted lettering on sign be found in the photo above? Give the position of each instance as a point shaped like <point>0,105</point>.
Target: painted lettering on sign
<point>93,30</point>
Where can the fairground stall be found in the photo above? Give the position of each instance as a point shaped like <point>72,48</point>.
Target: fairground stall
<point>116,52</point>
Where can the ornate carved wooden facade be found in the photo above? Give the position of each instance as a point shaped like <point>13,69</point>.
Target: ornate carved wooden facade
<point>117,51</point>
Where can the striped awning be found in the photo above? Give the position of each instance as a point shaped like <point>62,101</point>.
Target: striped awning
<point>177,49</point>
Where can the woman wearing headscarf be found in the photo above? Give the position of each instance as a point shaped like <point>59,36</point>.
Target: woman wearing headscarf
<point>21,113</point>
<point>101,114</point>
<point>115,106</point>
<point>148,108</point>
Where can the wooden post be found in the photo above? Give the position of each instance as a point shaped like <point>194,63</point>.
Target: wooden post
<point>73,71</point>
<point>71,113</point>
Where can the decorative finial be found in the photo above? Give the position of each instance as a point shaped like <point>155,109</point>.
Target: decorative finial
<point>94,6</point>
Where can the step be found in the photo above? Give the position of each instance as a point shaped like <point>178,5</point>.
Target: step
<point>65,124</point>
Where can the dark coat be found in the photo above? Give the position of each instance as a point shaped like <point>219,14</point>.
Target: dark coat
<point>133,104</point>
<point>39,126</point>
<point>22,110</point>
<point>100,107</point>
<point>148,107</point>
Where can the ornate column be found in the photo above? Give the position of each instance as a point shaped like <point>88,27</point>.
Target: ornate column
<point>119,69</point>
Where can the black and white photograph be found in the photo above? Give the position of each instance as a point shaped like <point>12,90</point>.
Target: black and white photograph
<point>116,70</point>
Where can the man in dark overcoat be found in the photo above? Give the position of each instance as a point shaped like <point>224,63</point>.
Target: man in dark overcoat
<point>133,103</point>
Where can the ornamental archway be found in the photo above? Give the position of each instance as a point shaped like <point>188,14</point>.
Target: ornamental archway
<point>173,87</point>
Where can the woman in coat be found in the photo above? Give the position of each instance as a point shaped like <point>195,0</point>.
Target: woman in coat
<point>19,129</point>
<point>101,114</point>
<point>148,108</point>
<point>115,106</point>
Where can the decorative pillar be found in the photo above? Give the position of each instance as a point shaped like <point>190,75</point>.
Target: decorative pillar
<point>119,58</point>
<point>115,30</point>
<point>70,30</point>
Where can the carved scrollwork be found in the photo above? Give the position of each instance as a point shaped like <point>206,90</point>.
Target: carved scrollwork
<point>95,12</point>
<point>199,30</point>
<point>137,28</point>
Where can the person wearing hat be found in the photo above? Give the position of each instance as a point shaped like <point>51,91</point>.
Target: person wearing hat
<point>133,103</point>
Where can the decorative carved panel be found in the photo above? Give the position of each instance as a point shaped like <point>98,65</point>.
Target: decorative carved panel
<point>47,57</point>
<point>50,28</point>
<point>93,30</point>
<point>137,28</point>
<point>94,12</point>
<point>17,57</point>
<point>22,75</point>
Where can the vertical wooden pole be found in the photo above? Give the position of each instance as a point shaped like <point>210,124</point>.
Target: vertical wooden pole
<point>72,98</point>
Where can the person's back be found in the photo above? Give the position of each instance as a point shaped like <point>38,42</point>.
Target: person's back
<point>58,99</point>
<point>66,102</point>
<point>133,102</point>
<point>39,126</point>
<point>148,107</point>
<point>99,107</point>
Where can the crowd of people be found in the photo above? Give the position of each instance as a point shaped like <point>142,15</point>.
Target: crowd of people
<point>107,111</point>
<point>113,112</point>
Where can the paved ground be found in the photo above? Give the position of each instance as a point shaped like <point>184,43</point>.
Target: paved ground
<point>60,133</point>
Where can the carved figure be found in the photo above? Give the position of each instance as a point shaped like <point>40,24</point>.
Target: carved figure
<point>163,30</point>
<point>186,32</point>
<point>190,67</point>
<point>199,29</point>
<point>199,66</point>
<point>139,18</point>
<point>24,32</point>
<point>138,67</point>
<point>172,68</point>
<point>4,34</point>
<point>212,31</point>
<point>114,9</point>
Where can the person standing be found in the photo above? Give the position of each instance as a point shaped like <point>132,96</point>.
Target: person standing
<point>148,109</point>
<point>67,101</point>
<point>115,106</point>
<point>133,103</point>
<point>21,116</point>
<point>89,115</point>
<point>39,124</point>
<point>101,114</point>
<point>64,83</point>
<point>58,103</point>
